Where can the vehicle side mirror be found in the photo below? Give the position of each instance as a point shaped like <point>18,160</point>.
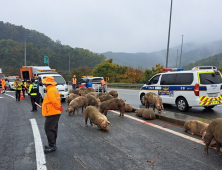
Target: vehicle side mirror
<point>67,83</point>
<point>148,82</point>
<point>40,83</point>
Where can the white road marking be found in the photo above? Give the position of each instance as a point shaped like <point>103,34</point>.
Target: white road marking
<point>10,95</point>
<point>162,128</point>
<point>40,156</point>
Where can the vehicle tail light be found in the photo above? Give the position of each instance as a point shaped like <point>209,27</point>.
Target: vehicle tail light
<point>196,89</point>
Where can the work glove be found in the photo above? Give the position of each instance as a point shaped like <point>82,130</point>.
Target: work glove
<point>61,108</point>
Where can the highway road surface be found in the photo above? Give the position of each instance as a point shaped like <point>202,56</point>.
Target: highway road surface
<point>132,143</point>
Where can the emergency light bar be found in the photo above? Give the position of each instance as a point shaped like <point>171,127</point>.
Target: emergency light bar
<point>205,67</point>
<point>172,69</point>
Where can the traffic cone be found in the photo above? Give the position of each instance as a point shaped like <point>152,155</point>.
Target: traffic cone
<point>21,96</point>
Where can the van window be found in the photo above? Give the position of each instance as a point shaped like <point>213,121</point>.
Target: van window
<point>168,79</point>
<point>184,78</point>
<point>210,78</point>
<point>96,80</point>
<point>155,79</point>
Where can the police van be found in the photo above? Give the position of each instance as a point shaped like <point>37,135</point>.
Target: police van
<point>201,86</point>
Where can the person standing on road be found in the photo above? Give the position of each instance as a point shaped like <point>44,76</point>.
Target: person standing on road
<point>33,91</point>
<point>74,82</point>
<point>23,87</point>
<point>51,110</point>
<point>38,94</point>
<point>18,87</point>
<point>104,85</point>
<point>3,85</point>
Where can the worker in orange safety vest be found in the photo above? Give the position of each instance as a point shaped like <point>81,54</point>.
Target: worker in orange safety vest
<point>3,85</point>
<point>74,82</point>
<point>104,86</point>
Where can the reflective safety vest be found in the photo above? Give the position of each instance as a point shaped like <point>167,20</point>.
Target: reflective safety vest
<point>24,85</point>
<point>18,85</point>
<point>103,82</point>
<point>73,80</point>
<point>33,89</point>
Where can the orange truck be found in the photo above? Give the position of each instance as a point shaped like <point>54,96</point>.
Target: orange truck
<point>28,72</point>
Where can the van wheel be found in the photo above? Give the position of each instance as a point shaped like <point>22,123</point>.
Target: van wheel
<point>62,100</point>
<point>182,104</point>
<point>142,99</point>
<point>208,107</point>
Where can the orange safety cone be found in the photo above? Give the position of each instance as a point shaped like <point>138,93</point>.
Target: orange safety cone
<point>21,96</point>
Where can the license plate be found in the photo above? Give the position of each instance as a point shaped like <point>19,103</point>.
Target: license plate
<point>212,94</point>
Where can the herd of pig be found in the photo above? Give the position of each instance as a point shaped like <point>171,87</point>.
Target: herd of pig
<point>97,105</point>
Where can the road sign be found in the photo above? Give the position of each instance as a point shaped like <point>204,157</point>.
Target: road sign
<point>46,59</point>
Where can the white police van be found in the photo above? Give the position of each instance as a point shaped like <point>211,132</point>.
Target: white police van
<point>201,86</point>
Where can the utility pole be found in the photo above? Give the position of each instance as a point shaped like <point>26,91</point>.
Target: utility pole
<point>169,35</point>
<point>69,63</point>
<point>25,50</point>
<point>181,50</point>
<point>177,58</point>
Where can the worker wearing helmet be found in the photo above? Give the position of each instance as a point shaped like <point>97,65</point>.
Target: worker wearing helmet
<point>3,85</point>
<point>74,82</point>
<point>18,87</point>
<point>33,92</point>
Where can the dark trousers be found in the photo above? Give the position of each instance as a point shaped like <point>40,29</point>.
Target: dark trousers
<point>23,91</point>
<point>38,98</point>
<point>33,100</point>
<point>51,128</point>
<point>17,94</point>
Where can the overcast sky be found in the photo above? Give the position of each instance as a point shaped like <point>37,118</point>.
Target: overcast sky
<point>118,25</point>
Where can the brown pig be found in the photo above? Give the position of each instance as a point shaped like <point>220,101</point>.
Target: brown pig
<point>139,112</point>
<point>70,97</point>
<point>113,93</point>
<point>152,98</point>
<point>214,130</point>
<point>92,100</point>
<point>195,127</point>
<point>76,103</point>
<point>129,108</point>
<point>105,97</point>
<point>75,91</point>
<point>148,114</point>
<point>96,118</point>
<point>112,104</point>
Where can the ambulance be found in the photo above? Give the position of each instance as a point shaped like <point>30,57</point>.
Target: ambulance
<point>199,87</point>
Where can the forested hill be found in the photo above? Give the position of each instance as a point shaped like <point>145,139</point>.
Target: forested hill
<point>192,52</point>
<point>38,45</point>
<point>215,60</point>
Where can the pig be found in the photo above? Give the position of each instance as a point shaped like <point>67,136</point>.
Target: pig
<point>70,97</point>
<point>152,98</point>
<point>76,103</point>
<point>112,104</point>
<point>129,108</point>
<point>139,112</point>
<point>214,130</point>
<point>113,93</point>
<point>94,94</point>
<point>105,97</point>
<point>102,93</point>
<point>96,118</point>
<point>148,114</point>
<point>195,127</point>
<point>75,91</point>
<point>92,100</point>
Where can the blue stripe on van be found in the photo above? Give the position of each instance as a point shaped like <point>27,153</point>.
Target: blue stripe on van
<point>170,88</point>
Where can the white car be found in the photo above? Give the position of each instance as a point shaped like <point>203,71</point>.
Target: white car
<point>9,83</point>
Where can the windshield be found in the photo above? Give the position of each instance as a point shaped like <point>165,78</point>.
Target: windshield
<point>11,80</point>
<point>210,78</point>
<point>58,79</point>
<point>2,75</point>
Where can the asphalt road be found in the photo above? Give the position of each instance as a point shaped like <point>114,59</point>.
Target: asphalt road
<point>132,97</point>
<point>131,143</point>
